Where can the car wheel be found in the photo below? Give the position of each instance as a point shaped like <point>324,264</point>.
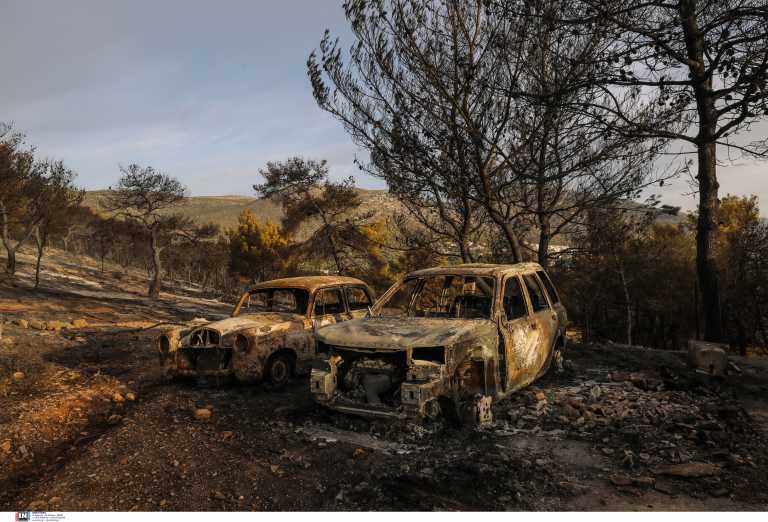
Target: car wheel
<point>449,409</point>
<point>279,370</point>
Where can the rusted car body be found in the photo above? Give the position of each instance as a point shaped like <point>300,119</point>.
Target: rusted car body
<point>443,340</point>
<point>271,333</point>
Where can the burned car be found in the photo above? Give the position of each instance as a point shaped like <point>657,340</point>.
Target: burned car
<point>271,333</point>
<point>444,340</point>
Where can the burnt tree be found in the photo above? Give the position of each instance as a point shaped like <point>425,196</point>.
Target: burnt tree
<point>708,62</point>
<point>147,198</point>
<point>419,91</point>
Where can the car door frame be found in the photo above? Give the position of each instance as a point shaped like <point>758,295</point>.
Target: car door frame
<point>354,314</point>
<point>547,323</point>
<point>337,318</point>
<point>514,340</point>
<point>557,306</point>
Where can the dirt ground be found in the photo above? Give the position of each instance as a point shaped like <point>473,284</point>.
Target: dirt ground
<point>87,423</point>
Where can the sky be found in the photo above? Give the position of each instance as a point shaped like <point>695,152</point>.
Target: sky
<point>205,91</point>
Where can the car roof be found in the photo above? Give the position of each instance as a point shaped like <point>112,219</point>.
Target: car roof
<point>478,269</point>
<point>310,283</point>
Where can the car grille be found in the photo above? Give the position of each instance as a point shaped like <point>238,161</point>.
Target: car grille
<point>207,359</point>
<point>204,337</point>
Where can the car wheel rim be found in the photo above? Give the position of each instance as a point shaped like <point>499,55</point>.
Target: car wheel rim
<point>279,371</point>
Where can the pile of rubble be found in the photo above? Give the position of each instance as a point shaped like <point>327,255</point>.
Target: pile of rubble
<point>648,427</point>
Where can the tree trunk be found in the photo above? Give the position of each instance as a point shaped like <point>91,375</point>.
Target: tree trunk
<point>510,235</point>
<point>40,241</point>
<point>335,253</point>
<point>545,235</point>
<point>466,255</point>
<point>706,226</point>
<point>10,265</point>
<point>706,231</point>
<point>154,285</point>
<point>628,304</point>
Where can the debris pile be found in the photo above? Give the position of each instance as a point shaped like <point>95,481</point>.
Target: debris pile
<point>649,426</point>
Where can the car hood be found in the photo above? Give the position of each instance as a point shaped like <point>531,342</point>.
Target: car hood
<point>400,333</point>
<point>259,320</point>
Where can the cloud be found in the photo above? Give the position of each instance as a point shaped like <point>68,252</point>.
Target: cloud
<point>207,91</point>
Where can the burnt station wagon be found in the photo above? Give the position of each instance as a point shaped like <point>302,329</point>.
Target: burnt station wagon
<point>271,333</point>
<point>443,340</point>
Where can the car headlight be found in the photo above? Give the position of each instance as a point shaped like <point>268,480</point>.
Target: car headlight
<point>241,343</point>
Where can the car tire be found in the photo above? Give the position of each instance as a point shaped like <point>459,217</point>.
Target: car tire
<point>279,370</point>
<point>449,409</point>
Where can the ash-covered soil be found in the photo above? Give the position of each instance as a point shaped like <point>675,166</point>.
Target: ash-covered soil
<point>87,423</point>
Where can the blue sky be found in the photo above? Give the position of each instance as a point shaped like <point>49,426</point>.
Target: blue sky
<point>206,91</point>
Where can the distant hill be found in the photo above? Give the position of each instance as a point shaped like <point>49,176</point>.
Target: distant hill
<point>224,210</point>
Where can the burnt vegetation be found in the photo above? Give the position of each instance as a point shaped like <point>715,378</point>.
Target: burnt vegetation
<point>505,131</point>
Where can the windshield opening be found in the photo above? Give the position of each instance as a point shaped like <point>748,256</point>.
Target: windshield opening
<point>286,300</point>
<point>443,296</point>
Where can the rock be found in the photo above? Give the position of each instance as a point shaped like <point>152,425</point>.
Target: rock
<point>218,495</point>
<point>79,323</point>
<point>664,488</point>
<point>203,414</point>
<point>621,480</point>
<point>37,505</point>
<point>6,446</point>
<point>690,470</point>
<point>571,412</point>
<point>38,325</point>
<point>18,376</point>
<point>130,396</point>
<point>644,481</point>
<point>629,459</point>
<point>54,500</point>
<point>541,396</point>
<point>619,376</point>
<point>226,435</point>
<point>163,503</point>
<point>719,492</point>
<point>54,325</point>
<point>114,419</point>
<point>711,358</point>
<point>359,452</point>
<point>607,451</point>
<point>21,323</point>
<point>118,398</point>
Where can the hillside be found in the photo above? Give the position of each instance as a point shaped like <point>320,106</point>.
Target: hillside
<point>223,210</point>
<point>81,388</point>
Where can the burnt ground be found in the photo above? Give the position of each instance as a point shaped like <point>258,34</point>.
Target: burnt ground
<point>90,425</point>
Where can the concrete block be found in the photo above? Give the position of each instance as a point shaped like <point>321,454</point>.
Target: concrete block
<point>711,358</point>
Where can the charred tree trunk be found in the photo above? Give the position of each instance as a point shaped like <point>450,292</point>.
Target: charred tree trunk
<point>510,235</point>
<point>155,283</point>
<point>706,226</point>
<point>466,254</point>
<point>10,265</point>
<point>627,303</point>
<point>40,242</point>
<point>706,231</point>
<point>545,236</point>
